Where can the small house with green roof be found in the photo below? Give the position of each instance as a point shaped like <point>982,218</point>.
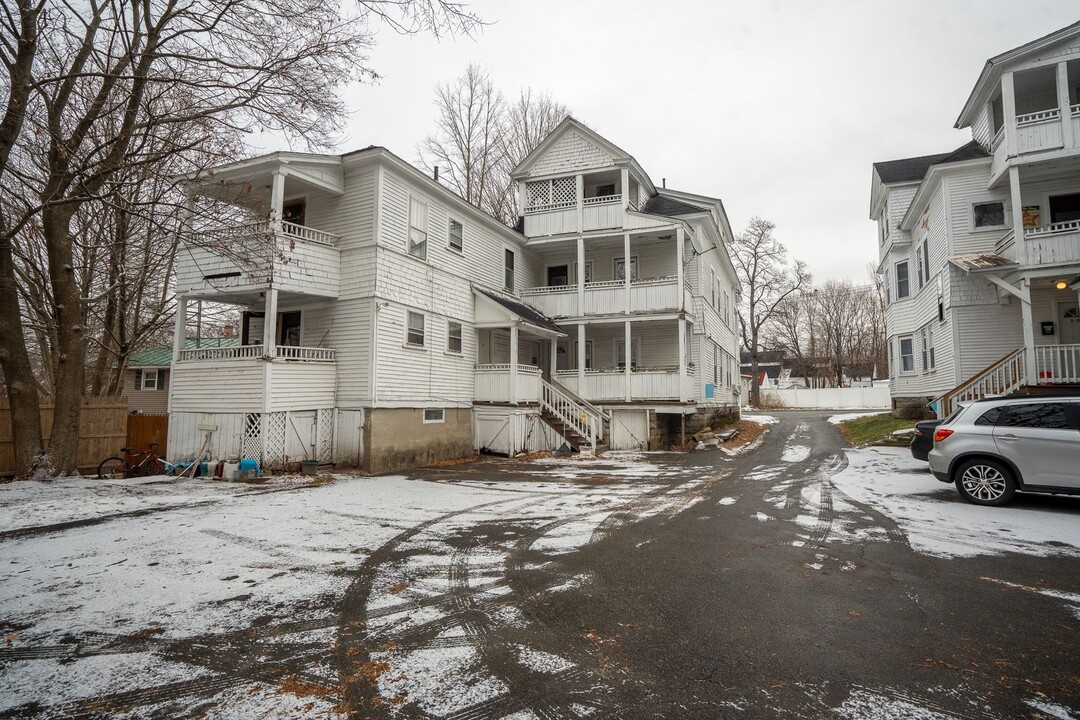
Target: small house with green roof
<point>146,381</point>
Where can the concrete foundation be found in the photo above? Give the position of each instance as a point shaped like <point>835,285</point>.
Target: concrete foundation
<point>396,438</point>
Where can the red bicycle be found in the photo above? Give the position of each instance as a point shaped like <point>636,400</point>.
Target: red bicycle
<point>132,465</point>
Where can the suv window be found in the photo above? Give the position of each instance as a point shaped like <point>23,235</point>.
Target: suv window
<point>990,417</point>
<point>1046,416</point>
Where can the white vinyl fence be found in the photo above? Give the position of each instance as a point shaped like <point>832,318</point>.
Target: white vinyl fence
<point>869,398</point>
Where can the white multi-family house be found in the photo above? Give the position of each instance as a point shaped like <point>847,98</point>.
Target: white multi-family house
<point>410,327</point>
<point>980,247</point>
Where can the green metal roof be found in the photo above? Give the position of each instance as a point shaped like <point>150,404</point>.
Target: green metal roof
<point>161,356</point>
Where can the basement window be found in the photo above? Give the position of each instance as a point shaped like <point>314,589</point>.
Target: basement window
<point>434,415</point>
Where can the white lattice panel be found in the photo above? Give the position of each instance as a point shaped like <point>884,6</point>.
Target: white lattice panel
<point>251,446</point>
<point>325,448</point>
<point>564,191</point>
<point>274,451</point>
<point>539,193</point>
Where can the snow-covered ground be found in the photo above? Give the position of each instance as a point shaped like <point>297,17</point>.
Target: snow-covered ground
<point>196,594</point>
<point>844,417</point>
<point>937,522</point>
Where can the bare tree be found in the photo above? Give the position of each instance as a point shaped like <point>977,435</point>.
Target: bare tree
<point>480,139</point>
<point>768,280</point>
<point>95,91</point>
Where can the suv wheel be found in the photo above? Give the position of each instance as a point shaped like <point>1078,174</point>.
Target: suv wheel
<point>985,482</point>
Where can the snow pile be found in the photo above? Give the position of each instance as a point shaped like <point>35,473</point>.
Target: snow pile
<point>837,419</point>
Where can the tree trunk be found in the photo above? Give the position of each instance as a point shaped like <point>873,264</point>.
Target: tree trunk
<point>71,341</point>
<point>755,379</point>
<point>18,373</point>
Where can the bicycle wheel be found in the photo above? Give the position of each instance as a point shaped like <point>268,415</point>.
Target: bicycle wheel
<point>112,468</point>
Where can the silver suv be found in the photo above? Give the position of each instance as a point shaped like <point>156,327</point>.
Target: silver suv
<point>994,447</point>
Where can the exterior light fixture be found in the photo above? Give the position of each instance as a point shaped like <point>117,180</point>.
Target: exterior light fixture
<point>1061,285</point>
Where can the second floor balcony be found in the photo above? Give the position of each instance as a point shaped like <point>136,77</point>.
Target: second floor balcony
<point>660,294</point>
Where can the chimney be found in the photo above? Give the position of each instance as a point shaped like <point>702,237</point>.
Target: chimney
<point>663,183</point>
<point>436,173</point>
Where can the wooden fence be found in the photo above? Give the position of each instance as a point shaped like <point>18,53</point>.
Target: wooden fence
<point>146,428</point>
<point>102,431</point>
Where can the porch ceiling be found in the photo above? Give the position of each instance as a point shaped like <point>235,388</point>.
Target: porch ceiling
<point>252,179</point>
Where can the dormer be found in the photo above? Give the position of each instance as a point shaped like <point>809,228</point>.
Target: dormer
<point>578,181</point>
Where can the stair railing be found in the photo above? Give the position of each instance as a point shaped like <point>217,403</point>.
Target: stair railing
<point>1001,378</point>
<point>584,418</point>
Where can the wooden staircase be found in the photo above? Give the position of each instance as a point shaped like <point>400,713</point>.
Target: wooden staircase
<point>584,425</point>
<point>1004,377</point>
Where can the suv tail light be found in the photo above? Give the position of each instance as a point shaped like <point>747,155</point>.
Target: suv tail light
<point>942,433</point>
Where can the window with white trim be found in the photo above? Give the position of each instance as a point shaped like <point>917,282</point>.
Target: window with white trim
<point>903,282</point>
<point>929,361</point>
<point>418,212</point>
<point>457,235</point>
<point>988,215</point>
<point>453,337</point>
<point>147,380</point>
<point>414,331</point>
<point>620,352</point>
<point>434,415</point>
<point>588,354</point>
<point>508,269</point>
<point>620,268</point>
<point>920,268</point>
<point>888,287</point>
<point>907,355</point>
<point>712,288</point>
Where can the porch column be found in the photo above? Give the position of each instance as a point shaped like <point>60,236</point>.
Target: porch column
<point>581,359</point>
<point>679,266</point>
<point>628,275</point>
<point>270,323</point>
<point>629,351</point>
<point>277,199</point>
<point>1029,333</point>
<point>1017,207</point>
<point>682,359</point>
<point>625,179</point>
<point>580,275</point>
<point>1067,139</point>
<point>580,185</point>
<point>513,363</point>
<point>1008,108</point>
<point>180,331</point>
<point>554,356</point>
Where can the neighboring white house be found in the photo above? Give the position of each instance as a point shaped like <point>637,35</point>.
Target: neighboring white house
<point>411,327</point>
<point>980,247</point>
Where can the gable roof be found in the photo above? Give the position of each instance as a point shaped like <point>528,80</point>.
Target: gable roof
<point>907,169</point>
<point>568,123</point>
<point>161,356</point>
<point>523,311</point>
<point>993,68</point>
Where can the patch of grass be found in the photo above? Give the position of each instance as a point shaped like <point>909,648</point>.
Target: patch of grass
<point>875,430</point>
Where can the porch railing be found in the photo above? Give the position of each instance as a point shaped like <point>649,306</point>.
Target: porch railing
<point>492,383</point>
<point>1058,363</point>
<point>1037,117</point>
<point>1053,229</point>
<point>1003,377</point>
<point>250,352</point>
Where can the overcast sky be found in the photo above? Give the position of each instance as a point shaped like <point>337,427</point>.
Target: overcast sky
<point>778,108</point>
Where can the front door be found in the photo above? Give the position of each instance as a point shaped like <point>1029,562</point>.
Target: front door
<point>483,347</point>
<point>1069,322</point>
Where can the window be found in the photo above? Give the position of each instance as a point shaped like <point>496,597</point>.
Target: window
<point>620,352</point>
<point>620,268</point>
<point>456,236</point>
<point>1064,208</point>
<point>883,224</point>
<point>147,380</point>
<point>414,334</point>
<point>508,269</point>
<point>588,354</point>
<point>605,190</point>
<point>990,417</point>
<point>588,271</point>
<point>712,286</point>
<point>907,355</point>
<point>926,261</point>
<point>988,215</point>
<point>929,362</point>
<point>1044,416</point>
<point>903,286</point>
<point>417,229</point>
<point>453,337</point>
<point>434,415</point>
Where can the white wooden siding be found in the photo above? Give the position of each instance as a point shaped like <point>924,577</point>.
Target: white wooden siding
<point>571,154</point>
<point>235,385</point>
<point>302,385</point>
